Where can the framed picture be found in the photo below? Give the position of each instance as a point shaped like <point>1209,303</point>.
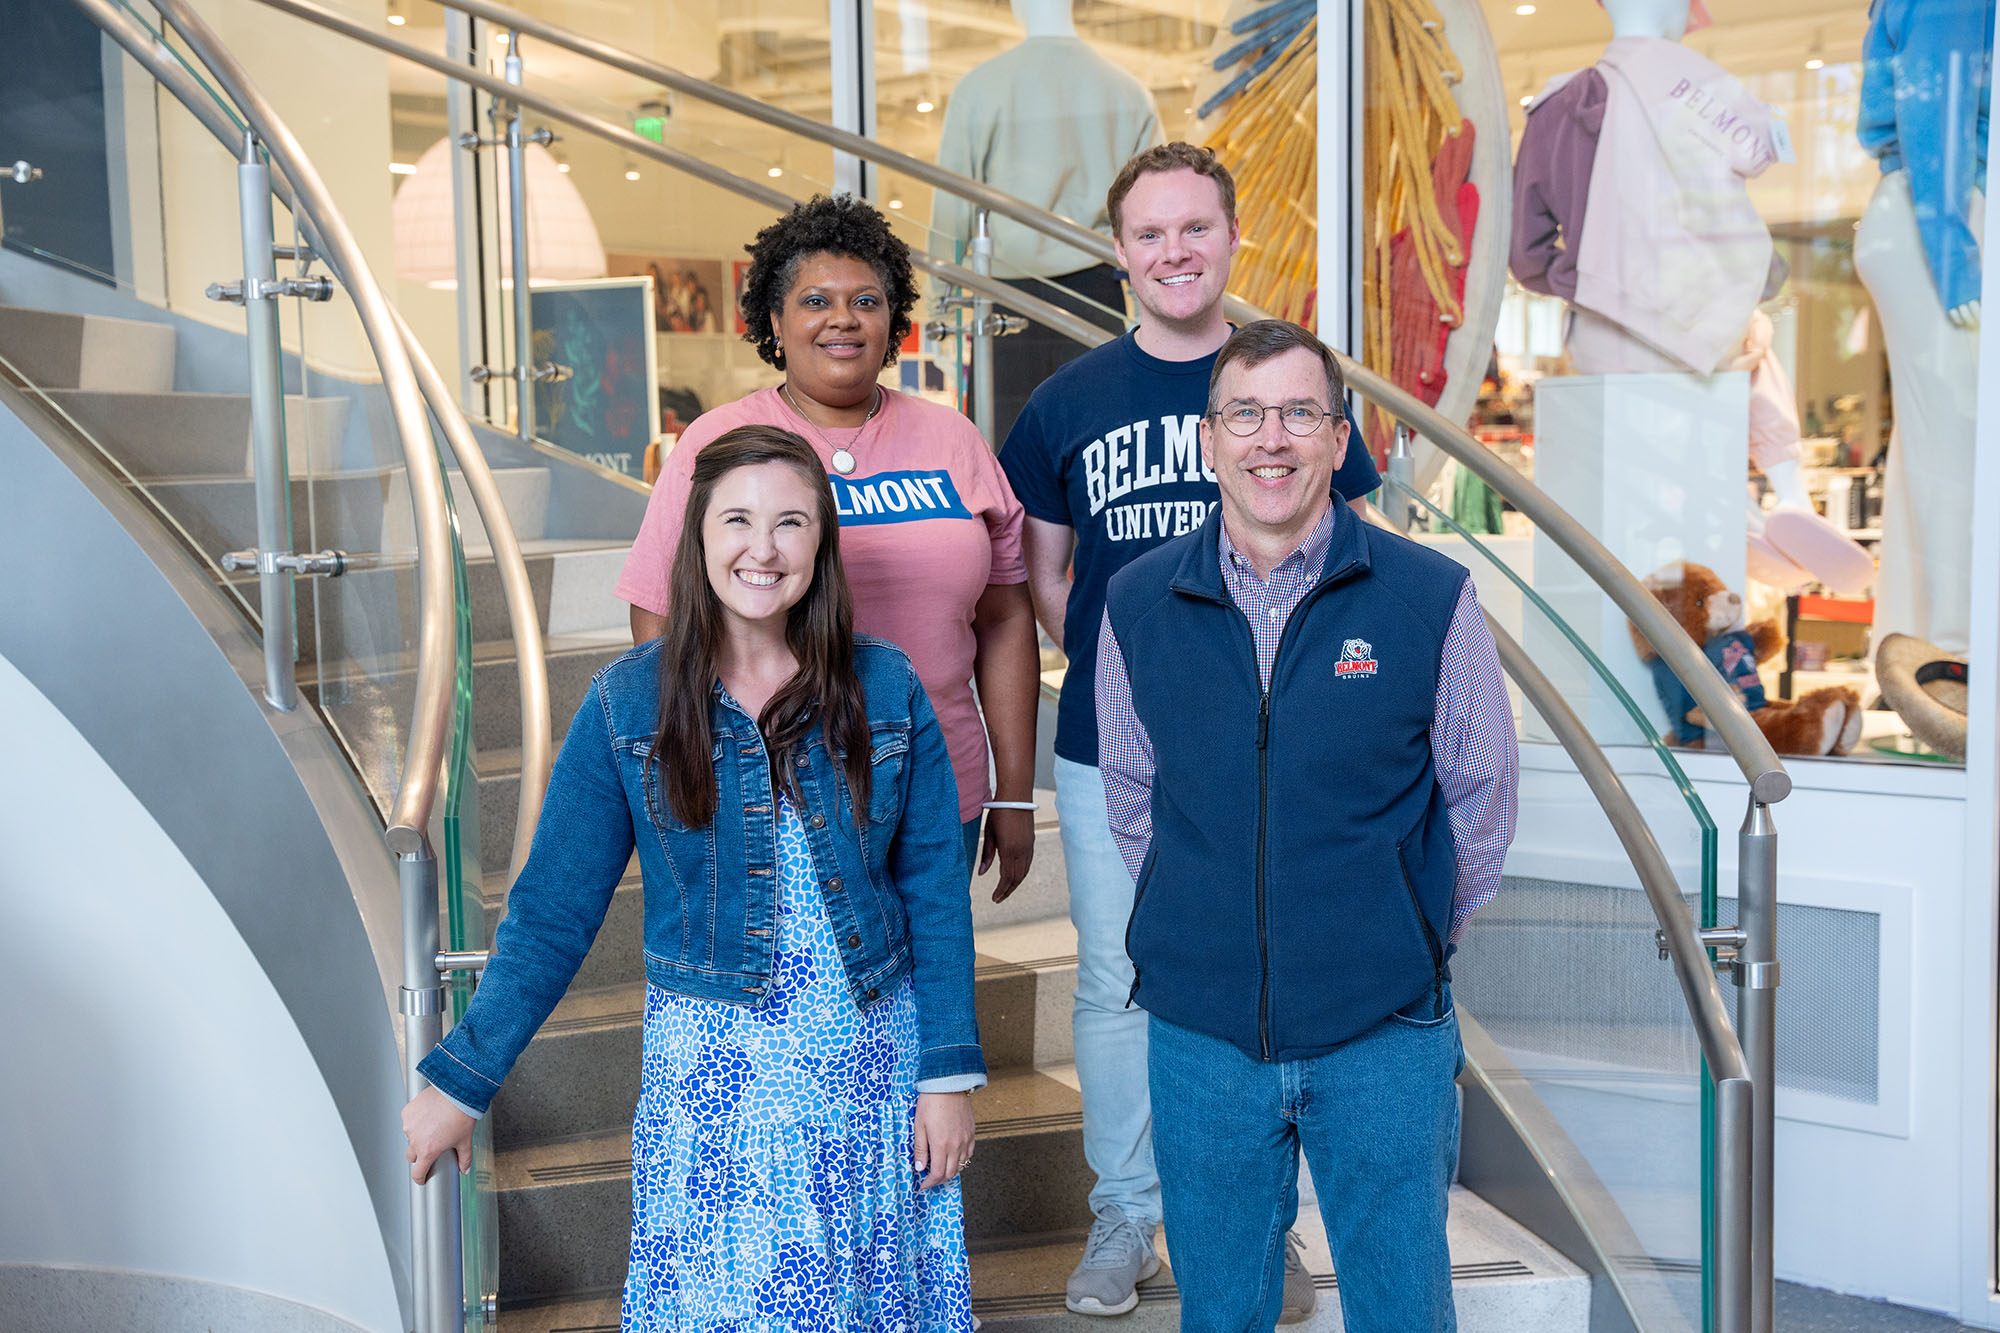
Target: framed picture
<point>739,269</point>
<point>601,330</point>
<point>688,295</point>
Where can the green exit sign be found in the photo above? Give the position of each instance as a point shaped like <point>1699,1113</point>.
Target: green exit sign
<point>651,127</point>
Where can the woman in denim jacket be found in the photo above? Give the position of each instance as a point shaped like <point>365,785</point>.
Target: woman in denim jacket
<point>809,1032</point>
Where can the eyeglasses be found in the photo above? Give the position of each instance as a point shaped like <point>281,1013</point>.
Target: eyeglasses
<point>1241,416</point>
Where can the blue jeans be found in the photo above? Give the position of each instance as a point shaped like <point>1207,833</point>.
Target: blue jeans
<point>1378,1120</point>
<point>1110,1037</point>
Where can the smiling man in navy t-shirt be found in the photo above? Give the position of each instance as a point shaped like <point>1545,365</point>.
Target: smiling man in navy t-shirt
<point>1106,460</point>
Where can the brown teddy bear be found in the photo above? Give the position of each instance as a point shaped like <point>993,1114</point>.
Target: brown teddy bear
<point>1819,722</point>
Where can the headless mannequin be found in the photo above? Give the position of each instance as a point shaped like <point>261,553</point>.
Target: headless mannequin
<point>1044,18</point>
<point>1648,18</point>
<point>1050,121</point>
<point>1923,588</point>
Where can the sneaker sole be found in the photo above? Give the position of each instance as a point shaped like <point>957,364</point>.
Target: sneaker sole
<point>1129,1304</point>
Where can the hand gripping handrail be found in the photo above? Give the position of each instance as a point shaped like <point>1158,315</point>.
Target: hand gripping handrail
<point>524,622</point>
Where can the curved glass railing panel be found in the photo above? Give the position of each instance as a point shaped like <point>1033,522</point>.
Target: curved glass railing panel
<point>1561,969</point>
<point>157,384</point>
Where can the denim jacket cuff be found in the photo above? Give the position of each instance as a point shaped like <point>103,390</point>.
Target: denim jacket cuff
<point>946,1061</point>
<point>472,1090</point>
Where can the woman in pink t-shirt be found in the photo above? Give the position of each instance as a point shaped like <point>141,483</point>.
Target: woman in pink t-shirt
<point>930,530</point>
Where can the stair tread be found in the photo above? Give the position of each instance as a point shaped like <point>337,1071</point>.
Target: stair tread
<point>588,1314</point>
<point>601,1156</point>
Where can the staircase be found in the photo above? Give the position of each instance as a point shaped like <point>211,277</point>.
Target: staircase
<point>561,1126</point>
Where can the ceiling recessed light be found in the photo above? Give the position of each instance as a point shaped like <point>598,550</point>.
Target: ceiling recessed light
<point>1815,63</point>
<point>895,203</point>
<point>926,107</point>
<point>403,168</point>
<point>775,172</point>
<point>631,175</point>
<point>1527,98</point>
<point>1524,10</point>
<point>563,167</point>
<point>500,38</point>
<point>397,20</point>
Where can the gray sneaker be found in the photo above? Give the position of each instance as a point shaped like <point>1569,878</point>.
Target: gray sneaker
<point>1117,1257</point>
<point>1301,1297</point>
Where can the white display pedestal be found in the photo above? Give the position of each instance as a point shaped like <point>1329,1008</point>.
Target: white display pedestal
<point>1654,466</point>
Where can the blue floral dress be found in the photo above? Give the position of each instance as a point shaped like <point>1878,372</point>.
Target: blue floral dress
<point>772,1184</point>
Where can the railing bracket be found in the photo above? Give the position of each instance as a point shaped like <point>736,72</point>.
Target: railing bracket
<point>266,289</point>
<point>325,564</point>
<point>420,1003</point>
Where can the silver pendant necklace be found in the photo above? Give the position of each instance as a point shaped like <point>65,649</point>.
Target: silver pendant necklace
<point>843,461</point>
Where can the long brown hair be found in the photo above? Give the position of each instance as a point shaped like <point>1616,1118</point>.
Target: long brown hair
<point>819,629</point>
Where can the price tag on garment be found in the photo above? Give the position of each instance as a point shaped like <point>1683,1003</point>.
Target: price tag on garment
<point>1781,137</point>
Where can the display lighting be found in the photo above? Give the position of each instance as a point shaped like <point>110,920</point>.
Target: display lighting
<point>563,167</point>
<point>895,203</point>
<point>397,20</point>
<point>403,168</point>
<point>563,244</point>
<point>1524,10</point>
<point>1815,63</point>
<point>500,38</point>
<point>925,108</point>
<point>775,172</point>
<point>631,174</point>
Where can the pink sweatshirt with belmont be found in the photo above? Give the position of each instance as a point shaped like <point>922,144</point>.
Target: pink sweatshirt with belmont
<point>927,520</point>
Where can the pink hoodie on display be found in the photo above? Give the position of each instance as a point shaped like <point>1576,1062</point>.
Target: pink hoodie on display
<point>1673,252</point>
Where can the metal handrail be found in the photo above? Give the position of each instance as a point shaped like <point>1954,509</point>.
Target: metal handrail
<point>416,791</point>
<point>1754,755</point>
<point>1736,1120</point>
<point>525,624</point>
<point>1042,312</point>
<point>1769,782</point>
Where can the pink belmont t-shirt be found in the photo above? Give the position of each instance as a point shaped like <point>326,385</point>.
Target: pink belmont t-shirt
<point>927,520</point>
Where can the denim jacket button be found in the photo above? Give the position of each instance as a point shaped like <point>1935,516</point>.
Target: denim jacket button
<point>873,993</point>
<point>819,821</point>
<point>801,761</point>
<point>833,885</point>
<point>854,941</point>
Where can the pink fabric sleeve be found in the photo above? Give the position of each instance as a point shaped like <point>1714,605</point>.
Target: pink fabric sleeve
<point>1001,509</point>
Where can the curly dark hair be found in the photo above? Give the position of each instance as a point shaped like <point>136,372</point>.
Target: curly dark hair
<point>841,225</point>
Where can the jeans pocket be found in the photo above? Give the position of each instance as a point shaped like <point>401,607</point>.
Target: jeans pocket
<point>1432,1009</point>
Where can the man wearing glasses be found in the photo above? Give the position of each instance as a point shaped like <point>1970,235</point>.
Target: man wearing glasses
<point>1309,766</point>
<point>1106,461</point>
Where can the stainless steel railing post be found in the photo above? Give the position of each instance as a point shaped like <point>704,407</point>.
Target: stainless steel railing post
<point>1403,474</point>
<point>267,425</point>
<point>437,1259</point>
<point>1757,1018</point>
<point>980,253</point>
<point>517,204</point>
<point>1735,1151</point>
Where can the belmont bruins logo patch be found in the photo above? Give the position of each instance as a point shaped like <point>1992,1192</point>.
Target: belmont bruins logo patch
<point>1357,658</point>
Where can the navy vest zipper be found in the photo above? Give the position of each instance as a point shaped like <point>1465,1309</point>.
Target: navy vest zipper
<point>1312,594</point>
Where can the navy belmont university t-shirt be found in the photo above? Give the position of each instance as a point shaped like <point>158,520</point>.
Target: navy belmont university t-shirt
<point>1110,446</point>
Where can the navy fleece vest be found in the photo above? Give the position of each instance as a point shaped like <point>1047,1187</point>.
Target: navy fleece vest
<point>1299,887</point>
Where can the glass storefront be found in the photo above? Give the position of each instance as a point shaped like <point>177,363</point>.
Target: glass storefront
<point>1726,336</point>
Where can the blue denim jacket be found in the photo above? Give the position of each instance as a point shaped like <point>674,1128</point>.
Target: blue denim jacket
<point>894,884</point>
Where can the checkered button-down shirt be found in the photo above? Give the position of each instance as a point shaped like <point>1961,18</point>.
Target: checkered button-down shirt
<point>1473,749</point>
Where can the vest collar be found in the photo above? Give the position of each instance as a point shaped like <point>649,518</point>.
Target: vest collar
<point>1199,573</point>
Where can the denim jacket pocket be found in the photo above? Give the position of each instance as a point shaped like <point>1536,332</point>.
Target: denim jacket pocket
<point>651,776</point>
<point>889,747</point>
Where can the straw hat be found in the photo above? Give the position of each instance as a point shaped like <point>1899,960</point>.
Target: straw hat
<point>1926,686</point>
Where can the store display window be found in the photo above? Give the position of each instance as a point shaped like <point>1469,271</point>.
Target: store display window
<point>1734,330</point>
